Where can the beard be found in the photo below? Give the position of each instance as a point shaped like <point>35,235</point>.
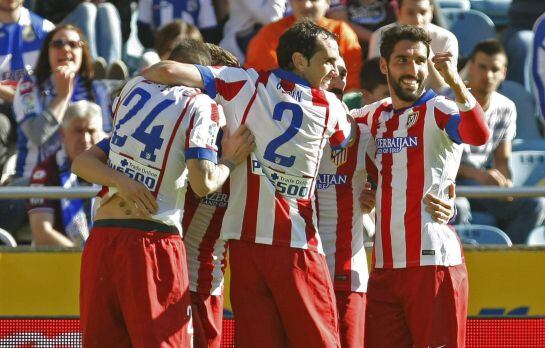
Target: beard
<point>403,94</point>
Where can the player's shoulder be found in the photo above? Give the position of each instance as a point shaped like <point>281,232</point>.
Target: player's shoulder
<point>360,113</point>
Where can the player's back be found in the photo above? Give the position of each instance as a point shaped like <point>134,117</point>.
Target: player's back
<point>156,128</point>
<point>291,123</point>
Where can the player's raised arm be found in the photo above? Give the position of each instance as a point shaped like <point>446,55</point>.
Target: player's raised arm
<point>169,72</point>
<point>472,127</point>
<point>206,177</point>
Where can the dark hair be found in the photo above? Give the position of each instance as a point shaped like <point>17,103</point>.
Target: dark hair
<point>171,34</point>
<point>220,56</point>
<point>191,52</point>
<point>399,33</point>
<point>301,37</point>
<point>43,65</point>
<point>490,47</point>
<point>370,75</point>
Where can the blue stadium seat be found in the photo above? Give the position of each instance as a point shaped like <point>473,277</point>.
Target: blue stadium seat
<point>527,119</point>
<point>482,235</point>
<point>497,10</point>
<point>470,27</point>
<point>461,4</point>
<point>528,144</point>
<point>536,236</point>
<point>527,167</point>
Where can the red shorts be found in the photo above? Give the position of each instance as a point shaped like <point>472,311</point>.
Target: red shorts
<point>281,297</point>
<point>351,307</point>
<point>134,289</point>
<point>207,320</point>
<point>417,307</point>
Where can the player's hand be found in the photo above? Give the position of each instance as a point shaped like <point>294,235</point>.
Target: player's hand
<point>237,147</point>
<point>440,210</point>
<point>64,80</point>
<point>442,61</point>
<point>136,194</point>
<point>367,198</point>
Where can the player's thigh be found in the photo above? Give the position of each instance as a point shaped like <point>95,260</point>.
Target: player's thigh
<point>207,319</point>
<point>257,320</point>
<point>154,290</point>
<point>438,309</point>
<point>302,288</point>
<point>101,319</point>
<point>351,308</point>
<point>385,322</point>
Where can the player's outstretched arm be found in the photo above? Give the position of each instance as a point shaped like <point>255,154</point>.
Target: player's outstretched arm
<point>169,72</point>
<point>206,177</point>
<point>91,166</point>
<point>472,127</point>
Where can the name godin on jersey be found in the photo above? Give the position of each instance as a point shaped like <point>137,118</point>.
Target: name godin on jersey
<point>216,199</point>
<point>297,95</point>
<point>134,170</point>
<point>395,145</point>
<point>326,180</point>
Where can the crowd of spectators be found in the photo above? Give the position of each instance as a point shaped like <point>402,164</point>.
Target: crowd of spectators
<point>55,54</point>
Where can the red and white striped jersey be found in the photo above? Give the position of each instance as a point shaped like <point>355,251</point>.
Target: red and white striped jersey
<point>205,250</point>
<point>416,150</point>
<point>156,129</point>
<point>341,179</point>
<point>272,194</point>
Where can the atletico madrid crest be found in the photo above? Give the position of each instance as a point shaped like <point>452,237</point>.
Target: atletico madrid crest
<point>339,157</point>
<point>412,119</point>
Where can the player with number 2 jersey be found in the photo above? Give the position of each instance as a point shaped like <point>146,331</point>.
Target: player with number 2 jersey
<point>276,257</point>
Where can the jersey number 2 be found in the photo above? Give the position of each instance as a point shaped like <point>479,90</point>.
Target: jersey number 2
<point>152,140</point>
<point>296,122</point>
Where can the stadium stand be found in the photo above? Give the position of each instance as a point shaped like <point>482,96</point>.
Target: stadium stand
<point>482,235</point>
<point>527,167</point>
<point>460,4</point>
<point>470,27</point>
<point>527,122</point>
<point>497,10</point>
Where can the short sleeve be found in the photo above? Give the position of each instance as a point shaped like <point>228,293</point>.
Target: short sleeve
<point>207,119</point>
<point>340,133</point>
<point>223,82</point>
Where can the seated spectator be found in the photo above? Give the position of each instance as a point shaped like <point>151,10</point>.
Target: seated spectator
<point>168,37</point>
<point>261,53</point>
<point>246,17</point>
<point>420,13</point>
<point>65,222</point>
<point>64,74</point>
<point>153,14</point>
<point>518,37</point>
<point>365,16</point>
<point>488,164</point>
<point>22,33</point>
<point>100,24</point>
